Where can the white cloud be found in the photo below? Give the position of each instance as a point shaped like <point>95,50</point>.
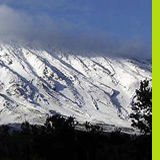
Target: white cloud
<point>13,23</point>
<point>20,25</point>
<point>16,23</point>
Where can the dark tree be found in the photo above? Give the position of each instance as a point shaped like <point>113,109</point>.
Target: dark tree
<point>58,123</point>
<point>142,108</point>
<point>25,127</point>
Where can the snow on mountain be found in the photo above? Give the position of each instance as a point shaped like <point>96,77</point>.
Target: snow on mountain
<point>35,83</point>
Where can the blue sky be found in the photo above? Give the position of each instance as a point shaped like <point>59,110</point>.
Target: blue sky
<point>126,20</point>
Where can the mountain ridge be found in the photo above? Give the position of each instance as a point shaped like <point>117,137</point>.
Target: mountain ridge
<point>36,82</point>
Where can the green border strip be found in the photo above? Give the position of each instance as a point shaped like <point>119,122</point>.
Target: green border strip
<point>156,79</point>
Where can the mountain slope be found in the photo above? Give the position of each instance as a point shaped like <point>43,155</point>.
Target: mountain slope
<point>36,82</point>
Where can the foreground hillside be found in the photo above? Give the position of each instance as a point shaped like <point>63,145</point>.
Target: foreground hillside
<point>36,82</point>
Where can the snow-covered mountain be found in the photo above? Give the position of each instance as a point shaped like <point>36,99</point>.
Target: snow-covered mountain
<point>36,82</point>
